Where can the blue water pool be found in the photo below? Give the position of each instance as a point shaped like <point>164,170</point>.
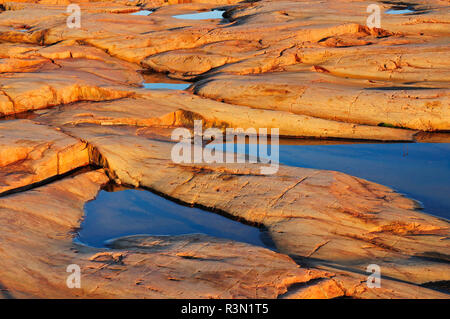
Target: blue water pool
<point>134,212</point>
<point>399,11</point>
<point>214,14</point>
<point>142,13</point>
<point>166,86</point>
<point>421,171</point>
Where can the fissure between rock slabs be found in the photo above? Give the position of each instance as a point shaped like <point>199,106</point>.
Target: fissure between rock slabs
<point>27,115</point>
<point>120,212</point>
<point>50,180</point>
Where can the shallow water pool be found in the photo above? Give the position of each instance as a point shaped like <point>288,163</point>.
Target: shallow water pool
<point>166,86</point>
<point>142,13</point>
<point>399,11</point>
<point>421,171</point>
<point>135,212</point>
<point>214,14</point>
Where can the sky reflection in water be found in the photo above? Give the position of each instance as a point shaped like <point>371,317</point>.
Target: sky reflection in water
<point>419,170</point>
<point>215,14</point>
<point>134,212</point>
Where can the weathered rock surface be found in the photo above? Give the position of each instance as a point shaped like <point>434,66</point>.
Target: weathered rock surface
<point>62,74</point>
<point>31,153</point>
<point>339,70</point>
<point>306,69</point>
<point>169,109</point>
<point>354,101</point>
<point>36,234</point>
<point>38,226</point>
<point>326,216</point>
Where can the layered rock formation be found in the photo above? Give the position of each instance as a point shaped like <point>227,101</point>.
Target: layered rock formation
<point>292,65</point>
<point>31,154</point>
<point>37,248</point>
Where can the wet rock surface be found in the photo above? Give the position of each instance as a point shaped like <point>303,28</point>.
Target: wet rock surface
<point>291,65</point>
